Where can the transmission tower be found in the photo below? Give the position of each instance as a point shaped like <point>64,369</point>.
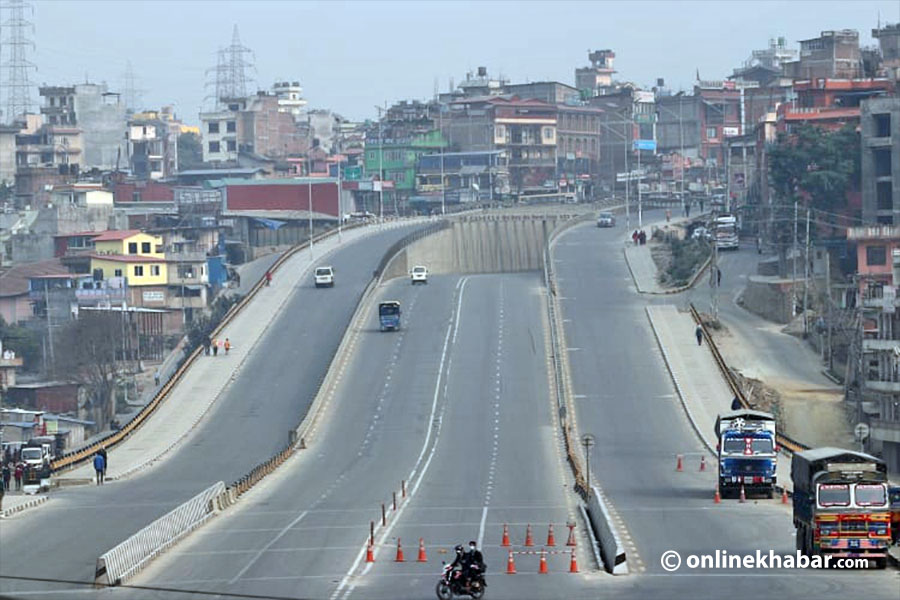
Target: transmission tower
<point>133,95</point>
<point>18,86</point>
<point>238,66</point>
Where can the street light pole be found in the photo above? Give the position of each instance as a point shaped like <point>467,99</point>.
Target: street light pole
<point>627,177</point>
<point>340,208</point>
<point>587,440</point>
<point>441,127</point>
<point>309,197</point>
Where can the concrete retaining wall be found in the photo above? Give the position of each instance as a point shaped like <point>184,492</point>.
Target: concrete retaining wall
<point>769,298</point>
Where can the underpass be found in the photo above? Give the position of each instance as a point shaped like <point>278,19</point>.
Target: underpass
<point>250,422</point>
<point>625,397</point>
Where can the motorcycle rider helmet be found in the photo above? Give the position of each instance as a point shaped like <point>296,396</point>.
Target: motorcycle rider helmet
<point>459,549</point>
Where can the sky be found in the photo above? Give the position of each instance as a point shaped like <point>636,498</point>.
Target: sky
<point>352,56</point>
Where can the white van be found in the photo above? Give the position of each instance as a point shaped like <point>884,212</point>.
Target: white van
<point>324,277</point>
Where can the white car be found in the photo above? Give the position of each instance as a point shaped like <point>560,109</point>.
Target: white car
<point>419,274</point>
<point>324,277</point>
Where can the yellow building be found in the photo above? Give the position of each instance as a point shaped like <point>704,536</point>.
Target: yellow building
<point>129,242</point>
<point>135,261</point>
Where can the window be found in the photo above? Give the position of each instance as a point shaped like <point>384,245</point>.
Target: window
<point>213,127</point>
<point>230,126</point>
<point>884,194</point>
<point>882,125</point>
<point>145,247</point>
<point>882,158</point>
<point>876,255</point>
<point>132,248</point>
<point>136,196</point>
<point>155,165</point>
<point>710,133</point>
<point>214,147</point>
<point>154,270</point>
<point>885,219</point>
<point>186,271</point>
<point>117,273</point>
<point>139,270</point>
<point>231,145</point>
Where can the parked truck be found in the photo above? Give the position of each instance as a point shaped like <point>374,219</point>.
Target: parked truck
<point>725,232</point>
<point>841,505</point>
<point>748,454</point>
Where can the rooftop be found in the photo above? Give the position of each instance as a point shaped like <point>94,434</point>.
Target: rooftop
<point>14,282</point>
<point>116,235</point>
<point>128,258</point>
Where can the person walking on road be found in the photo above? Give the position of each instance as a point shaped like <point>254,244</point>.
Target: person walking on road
<point>207,346</point>
<point>668,215</point>
<point>227,346</point>
<point>99,466</point>
<point>156,378</point>
<point>19,472</point>
<point>7,473</point>
<point>699,333</point>
<point>268,277</point>
<point>102,452</point>
<point>215,347</point>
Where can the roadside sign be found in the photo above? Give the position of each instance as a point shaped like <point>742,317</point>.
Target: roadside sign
<point>861,431</point>
<point>645,145</point>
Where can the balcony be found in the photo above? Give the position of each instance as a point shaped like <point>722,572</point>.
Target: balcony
<point>116,295</point>
<point>870,345</point>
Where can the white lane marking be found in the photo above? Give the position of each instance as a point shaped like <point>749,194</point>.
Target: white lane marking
<point>259,554</point>
<point>452,327</point>
<point>481,527</point>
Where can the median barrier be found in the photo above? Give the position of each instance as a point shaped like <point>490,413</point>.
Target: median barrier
<point>122,562</point>
<point>611,547</point>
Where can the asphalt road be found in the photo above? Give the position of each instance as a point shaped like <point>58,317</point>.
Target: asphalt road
<point>251,422</point>
<point>627,400</point>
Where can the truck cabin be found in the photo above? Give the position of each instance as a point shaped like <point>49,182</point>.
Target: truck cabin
<point>841,479</point>
<point>389,309</point>
<point>747,443</point>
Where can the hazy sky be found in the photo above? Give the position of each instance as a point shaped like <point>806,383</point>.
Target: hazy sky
<point>350,56</point>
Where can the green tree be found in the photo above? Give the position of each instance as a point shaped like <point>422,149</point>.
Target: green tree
<point>190,151</point>
<point>25,342</point>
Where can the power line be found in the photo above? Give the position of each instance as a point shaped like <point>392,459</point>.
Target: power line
<point>151,588</point>
<point>132,95</point>
<point>231,78</point>
<point>18,99</point>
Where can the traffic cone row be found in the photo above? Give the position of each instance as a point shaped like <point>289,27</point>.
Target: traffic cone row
<point>551,540</point>
<point>543,568</point>
<point>505,542</point>
<point>422,557</point>
<point>528,539</point>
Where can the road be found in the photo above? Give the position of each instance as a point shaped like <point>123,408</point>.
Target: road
<point>456,403</point>
<point>627,400</point>
<point>251,422</point>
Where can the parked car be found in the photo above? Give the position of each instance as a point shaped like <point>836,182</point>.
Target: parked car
<point>419,274</point>
<point>606,219</point>
<point>324,277</point>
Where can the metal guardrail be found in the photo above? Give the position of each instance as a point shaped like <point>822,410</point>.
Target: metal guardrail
<point>125,560</point>
<point>71,459</point>
<point>788,444</point>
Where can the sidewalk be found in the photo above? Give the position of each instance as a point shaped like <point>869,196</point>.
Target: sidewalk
<point>15,502</point>
<point>701,388</point>
<point>202,384</point>
<point>640,261</point>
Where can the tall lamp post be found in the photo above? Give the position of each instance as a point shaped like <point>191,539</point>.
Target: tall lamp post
<point>587,440</point>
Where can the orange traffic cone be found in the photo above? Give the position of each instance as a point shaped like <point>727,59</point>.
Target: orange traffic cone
<point>510,565</point>
<point>571,540</point>
<point>505,541</point>
<point>399,552</point>
<point>573,563</point>
<point>717,499</point>
<point>528,540</point>
<point>422,557</point>
<point>370,554</point>
<point>784,496</point>
<point>743,494</point>
<point>543,569</point>
<point>678,465</point>
<point>702,463</point>
<point>551,540</point>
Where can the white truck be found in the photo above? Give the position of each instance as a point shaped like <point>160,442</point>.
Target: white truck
<point>725,232</point>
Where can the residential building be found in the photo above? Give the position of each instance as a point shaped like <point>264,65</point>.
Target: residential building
<point>220,134</point>
<point>832,55</point>
<point>596,80</point>
<point>15,300</point>
<point>889,42</point>
<point>880,142</point>
<point>467,177</point>
<point>765,66</point>
<point>394,160</point>
<point>153,144</point>
<point>551,92</point>
<point>137,260</point>
<point>580,138</point>
<point>720,118</point>
<point>290,98</point>
<point>98,113</point>
<point>81,194</point>
<point>475,84</point>
<point>8,135</point>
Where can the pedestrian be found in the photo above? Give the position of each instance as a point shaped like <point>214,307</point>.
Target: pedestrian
<point>668,215</point>
<point>207,345</point>
<point>19,472</point>
<point>701,205</point>
<point>735,404</point>
<point>156,378</point>
<point>687,209</point>
<point>237,278</point>
<point>634,237</point>
<point>7,473</point>
<point>99,465</point>
<point>718,277</point>
<point>268,277</point>
<point>215,347</point>
<point>699,333</point>
<point>102,452</point>
<point>227,346</point>
<point>643,237</point>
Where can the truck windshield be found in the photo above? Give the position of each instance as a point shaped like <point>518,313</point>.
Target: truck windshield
<point>32,454</point>
<point>870,495</point>
<point>834,495</point>
<point>738,445</point>
<point>388,310</point>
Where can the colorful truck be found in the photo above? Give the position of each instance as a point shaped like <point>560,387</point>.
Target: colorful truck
<point>747,452</point>
<point>841,505</point>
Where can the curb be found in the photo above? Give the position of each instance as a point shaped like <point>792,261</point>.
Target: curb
<point>694,278</point>
<point>678,389</point>
<point>24,506</point>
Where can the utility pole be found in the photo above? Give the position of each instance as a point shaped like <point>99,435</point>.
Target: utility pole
<point>49,329</point>
<point>627,176</point>
<point>339,198</point>
<point>828,321</point>
<point>309,198</point>
<point>681,140</point>
<point>380,165</point>
<point>806,280</point>
<point>794,266</point>
<point>441,127</point>
<point>714,273</point>
<point>640,177</point>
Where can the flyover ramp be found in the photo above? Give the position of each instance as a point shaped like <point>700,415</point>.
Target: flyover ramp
<point>625,397</point>
<point>266,398</point>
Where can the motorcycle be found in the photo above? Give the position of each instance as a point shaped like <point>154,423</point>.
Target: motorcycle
<point>453,584</point>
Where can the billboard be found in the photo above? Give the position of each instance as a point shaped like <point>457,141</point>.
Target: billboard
<point>645,145</point>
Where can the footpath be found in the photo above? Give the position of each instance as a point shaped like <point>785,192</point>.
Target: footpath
<point>640,261</point>
<point>205,381</point>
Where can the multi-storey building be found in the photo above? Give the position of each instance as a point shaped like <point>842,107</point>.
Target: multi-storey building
<point>833,55</point>
<point>153,144</point>
<point>596,79</point>
<point>880,128</point>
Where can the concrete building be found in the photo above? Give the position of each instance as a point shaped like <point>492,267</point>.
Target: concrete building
<point>290,98</point>
<point>889,42</point>
<point>765,66</point>
<point>8,135</point>
<point>153,144</point>
<point>467,177</point>
<point>99,113</point>
<point>880,132</point>
<point>596,79</point>
<point>833,55</point>
<point>551,92</point>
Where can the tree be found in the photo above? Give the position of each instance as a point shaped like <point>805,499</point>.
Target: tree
<point>816,169</point>
<point>190,151</point>
<point>89,349</point>
<point>25,342</point>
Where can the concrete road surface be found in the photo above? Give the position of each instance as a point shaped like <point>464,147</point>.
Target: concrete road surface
<point>267,398</point>
<point>627,400</point>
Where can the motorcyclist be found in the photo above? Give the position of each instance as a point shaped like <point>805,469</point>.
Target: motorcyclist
<point>473,562</point>
<point>459,563</point>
